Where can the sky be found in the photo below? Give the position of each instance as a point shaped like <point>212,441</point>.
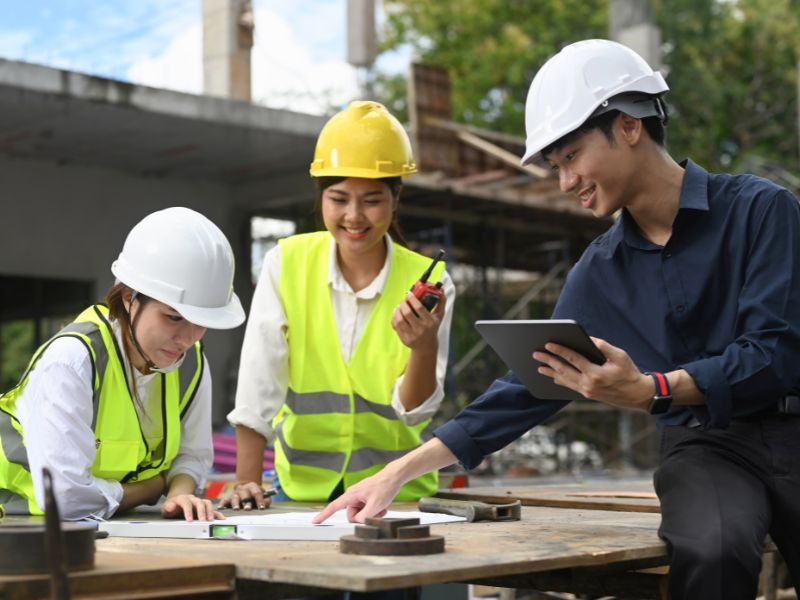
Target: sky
<point>298,60</point>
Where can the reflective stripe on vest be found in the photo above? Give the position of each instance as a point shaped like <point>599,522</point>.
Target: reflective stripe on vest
<point>122,453</point>
<point>360,459</point>
<point>11,440</point>
<point>337,423</point>
<point>100,355</point>
<point>317,403</point>
<point>310,458</point>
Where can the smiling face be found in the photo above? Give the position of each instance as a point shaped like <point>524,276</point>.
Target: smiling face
<point>358,212</point>
<point>163,334</point>
<point>596,169</point>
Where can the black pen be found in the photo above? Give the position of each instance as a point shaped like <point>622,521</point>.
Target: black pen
<point>267,494</point>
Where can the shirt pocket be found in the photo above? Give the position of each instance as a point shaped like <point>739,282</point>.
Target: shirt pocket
<point>115,459</point>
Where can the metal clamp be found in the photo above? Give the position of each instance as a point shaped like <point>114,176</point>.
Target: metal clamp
<point>388,537</point>
<point>472,510</point>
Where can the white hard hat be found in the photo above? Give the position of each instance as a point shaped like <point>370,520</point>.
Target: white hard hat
<point>585,79</point>
<point>178,257</point>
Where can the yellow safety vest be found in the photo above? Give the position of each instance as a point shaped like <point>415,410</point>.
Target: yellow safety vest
<point>337,423</point>
<point>122,452</point>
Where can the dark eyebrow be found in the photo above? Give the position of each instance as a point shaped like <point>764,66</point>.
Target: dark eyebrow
<point>560,152</point>
<point>364,195</point>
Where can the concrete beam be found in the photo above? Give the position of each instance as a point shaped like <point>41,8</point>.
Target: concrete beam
<point>23,77</point>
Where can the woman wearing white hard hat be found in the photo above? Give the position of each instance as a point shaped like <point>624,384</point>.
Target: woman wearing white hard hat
<point>341,368</point>
<point>118,404</point>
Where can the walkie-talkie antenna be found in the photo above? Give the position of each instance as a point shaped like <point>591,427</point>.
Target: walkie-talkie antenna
<point>429,270</point>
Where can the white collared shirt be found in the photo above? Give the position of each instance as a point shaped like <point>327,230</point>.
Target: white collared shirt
<point>264,367</point>
<point>55,411</point>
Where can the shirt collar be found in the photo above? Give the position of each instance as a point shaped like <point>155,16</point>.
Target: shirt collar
<point>694,196</point>
<point>339,283</point>
<point>694,192</point>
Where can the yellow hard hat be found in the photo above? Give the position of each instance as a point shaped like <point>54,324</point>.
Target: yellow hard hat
<point>363,140</point>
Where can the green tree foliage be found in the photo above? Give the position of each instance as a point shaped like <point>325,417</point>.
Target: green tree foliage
<point>492,49</point>
<point>731,64</point>
<point>16,343</point>
<point>733,73</point>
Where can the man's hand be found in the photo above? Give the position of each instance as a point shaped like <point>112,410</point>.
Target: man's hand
<point>368,498</point>
<point>373,495</point>
<point>189,506</point>
<point>246,495</point>
<point>617,382</point>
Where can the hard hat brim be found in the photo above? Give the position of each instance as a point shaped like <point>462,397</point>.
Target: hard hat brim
<point>637,105</point>
<point>360,173</point>
<point>224,317</point>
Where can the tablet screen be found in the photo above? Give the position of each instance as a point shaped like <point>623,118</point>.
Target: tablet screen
<point>516,341</point>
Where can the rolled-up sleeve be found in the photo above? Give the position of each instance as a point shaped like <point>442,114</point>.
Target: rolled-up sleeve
<point>428,408</point>
<point>763,362</point>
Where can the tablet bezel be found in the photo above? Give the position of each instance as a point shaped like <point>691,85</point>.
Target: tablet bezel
<point>515,341</point>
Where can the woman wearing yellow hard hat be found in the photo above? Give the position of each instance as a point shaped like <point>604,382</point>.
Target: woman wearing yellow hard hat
<point>117,405</point>
<point>341,367</point>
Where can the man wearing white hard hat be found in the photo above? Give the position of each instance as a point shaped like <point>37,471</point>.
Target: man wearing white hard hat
<point>692,295</point>
<point>117,405</point>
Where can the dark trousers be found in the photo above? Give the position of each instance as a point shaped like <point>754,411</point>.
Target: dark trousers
<point>721,492</point>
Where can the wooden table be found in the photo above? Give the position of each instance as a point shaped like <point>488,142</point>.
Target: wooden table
<point>622,496</point>
<point>131,576</point>
<point>598,538</point>
<point>636,496</point>
<point>504,553</point>
<point>570,549</point>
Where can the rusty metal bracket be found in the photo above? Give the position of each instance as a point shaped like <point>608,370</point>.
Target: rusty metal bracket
<point>392,537</point>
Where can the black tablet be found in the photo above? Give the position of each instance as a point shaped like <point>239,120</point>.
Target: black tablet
<point>516,341</point>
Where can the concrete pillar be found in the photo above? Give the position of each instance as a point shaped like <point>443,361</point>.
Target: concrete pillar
<point>630,22</point>
<point>362,47</point>
<point>227,39</point>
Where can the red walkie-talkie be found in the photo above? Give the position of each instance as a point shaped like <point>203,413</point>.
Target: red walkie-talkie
<point>429,294</point>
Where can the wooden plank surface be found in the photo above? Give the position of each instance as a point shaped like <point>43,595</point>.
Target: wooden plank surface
<point>545,539</point>
<point>134,575</point>
<point>623,496</point>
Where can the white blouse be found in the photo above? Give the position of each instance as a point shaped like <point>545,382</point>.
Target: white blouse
<point>264,367</point>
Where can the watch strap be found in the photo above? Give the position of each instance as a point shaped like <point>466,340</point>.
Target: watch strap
<point>662,383</point>
<point>662,399</point>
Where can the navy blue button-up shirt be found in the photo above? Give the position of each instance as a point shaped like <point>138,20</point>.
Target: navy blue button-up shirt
<point>721,300</point>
